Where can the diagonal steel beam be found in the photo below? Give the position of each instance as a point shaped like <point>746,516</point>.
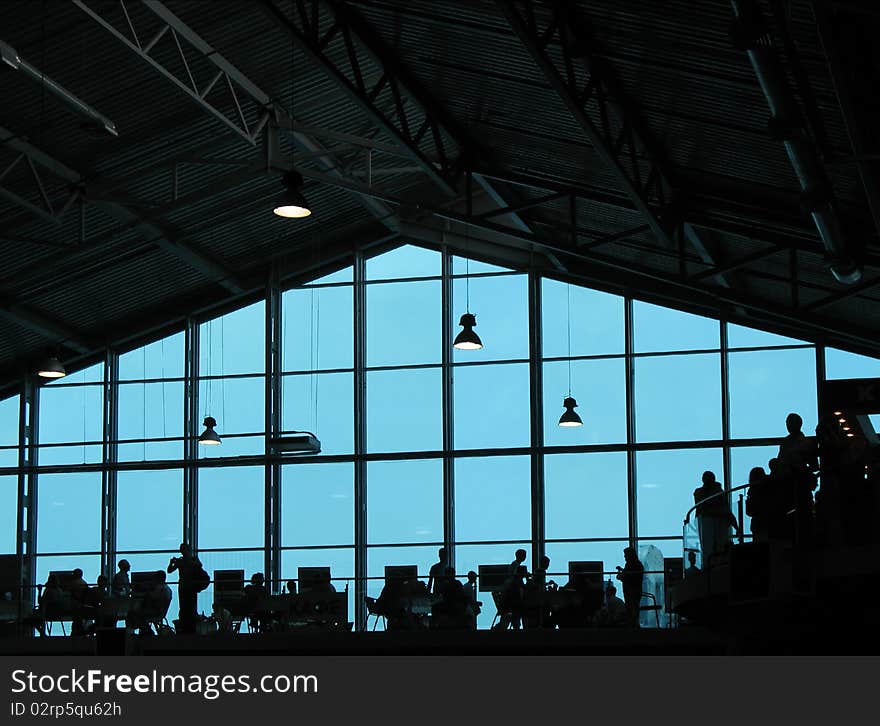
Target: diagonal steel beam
<point>593,97</point>
<point>197,260</point>
<point>43,324</point>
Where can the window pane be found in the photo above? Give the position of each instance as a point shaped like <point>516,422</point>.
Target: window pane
<point>586,495</point>
<point>657,329</point>
<point>161,359</point>
<point>92,374</point>
<point>491,406</point>
<point>322,403</point>
<point>403,323</point>
<point>500,305</point>
<point>405,501</point>
<point>405,261</point>
<point>678,397</point>
<point>739,336</point>
<point>597,322</point>
<point>231,506</point>
<point>69,512</point>
<point>666,483</point>
<point>234,343</point>
<point>404,410</point>
<point>151,410</point>
<point>238,405</point>
<point>599,387</point>
<point>8,513</point>
<point>470,557</point>
<point>765,386</point>
<point>317,329</point>
<point>317,504</point>
<point>71,414</point>
<point>493,498</point>
<point>468,266</point>
<point>842,364</point>
<point>9,430</point>
<point>346,274</point>
<point>149,510</point>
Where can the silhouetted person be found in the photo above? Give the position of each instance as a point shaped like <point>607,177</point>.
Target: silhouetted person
<point>154,605</point>
<point>511,598</point>
<point>758,503</point>
<point>470,591</point>
<point>78,590</point>
<point>186,566</point>
<point>120,586</point>
<point>692,568</point>
<point>436,573</point>
<point>254,593</point>
<point>780,501</point>
<point>291,587</point>
<point>323,586</point>
<point>222,618</point>
<point>614,612</point>
<point>797,460</point>
<point>452,609</point>
<point>714,517</point>
<point>631,575</point>
<point>51,601</point>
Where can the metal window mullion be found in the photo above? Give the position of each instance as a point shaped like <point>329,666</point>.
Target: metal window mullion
<point>726,473</point>
<point>820,378</point>
<point>448,407</point>
<point>273,426</point>
<point>631,472</point>
<point>110,456</point>
<point>190,434</point>
<point>360,441</point>
<point>27,520</point>
<point>537,419</point>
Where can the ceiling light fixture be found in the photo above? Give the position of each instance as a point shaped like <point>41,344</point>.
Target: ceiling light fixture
<point>51,367</point>
<point>291,203</point>
<point>467,339</point>
<point>569,418</point>
<point>209,437</point>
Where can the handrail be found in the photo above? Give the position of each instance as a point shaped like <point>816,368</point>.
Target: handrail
<point>723,493</point>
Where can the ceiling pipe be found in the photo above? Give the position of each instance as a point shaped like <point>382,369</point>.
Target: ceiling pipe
<point>12,59</point>
<point>751,34</point>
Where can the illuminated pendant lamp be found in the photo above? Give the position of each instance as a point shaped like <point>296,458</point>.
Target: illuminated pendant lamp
<point>570,418</point>
<point>467,339</point>
<point>209,437</point>
<point>291,203</point>
<point>51,367</point>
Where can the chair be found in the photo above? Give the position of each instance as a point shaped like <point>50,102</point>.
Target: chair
<point>654,606</point>
<point>372,609</point>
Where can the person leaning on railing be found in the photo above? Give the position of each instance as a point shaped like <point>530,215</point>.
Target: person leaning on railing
<point>714,517</point>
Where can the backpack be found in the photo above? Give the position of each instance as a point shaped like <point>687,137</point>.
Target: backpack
<point>201,579</point>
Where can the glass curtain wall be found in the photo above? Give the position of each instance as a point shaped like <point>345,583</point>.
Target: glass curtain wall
<point>422,445</point>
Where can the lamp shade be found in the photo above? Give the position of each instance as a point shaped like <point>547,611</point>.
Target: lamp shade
<point>51,368</point>
<point>570,417</point>
<point>291,203</point>
<point>467,339</point>
<point>209,436</point>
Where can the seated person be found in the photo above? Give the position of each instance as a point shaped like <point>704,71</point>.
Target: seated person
<point>153,607</point>
<point>613,612</point>
<point>451,611</point>
<point>692,568</point>
<point>52,600</point>
<point>291,587</point>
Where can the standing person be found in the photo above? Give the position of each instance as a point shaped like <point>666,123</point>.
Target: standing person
<point>714,517</point>
<point>631,575</point>
<point>474,605</point>
<point>510,600</point>
<point>120,586</point>
<point>436,573</point>
<point>798,464</point>
<point>758,504</point>
<point>187,566</point>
